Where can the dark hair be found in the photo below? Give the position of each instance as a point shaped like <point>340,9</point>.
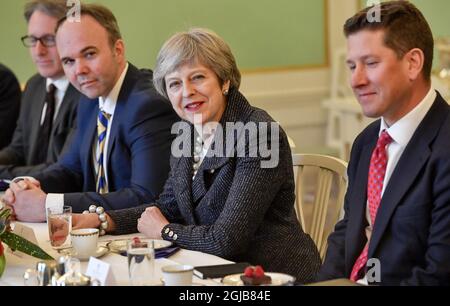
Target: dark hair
<point>103,16</point>
<point>53,8</point>
<point>405,28</point>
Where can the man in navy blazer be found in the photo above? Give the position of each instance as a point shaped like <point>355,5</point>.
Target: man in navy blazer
<point>120,156</point>
<point>409,241</point>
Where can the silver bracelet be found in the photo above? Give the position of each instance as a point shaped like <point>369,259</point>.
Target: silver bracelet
<point>100,211</point>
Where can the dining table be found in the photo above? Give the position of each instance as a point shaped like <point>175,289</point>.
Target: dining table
<point>18,263</point>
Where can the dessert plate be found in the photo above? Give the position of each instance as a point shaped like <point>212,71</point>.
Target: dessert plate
<point>119,246</point>
<point>278,279</point>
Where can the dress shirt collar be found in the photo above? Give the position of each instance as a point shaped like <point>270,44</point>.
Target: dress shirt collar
<point>403,130</point>
<point>61,83</point>
<point>108,105</point>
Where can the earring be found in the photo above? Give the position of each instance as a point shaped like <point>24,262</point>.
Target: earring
<point>225,92</point>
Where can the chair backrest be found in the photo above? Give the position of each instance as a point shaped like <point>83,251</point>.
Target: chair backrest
<point>314,203</point>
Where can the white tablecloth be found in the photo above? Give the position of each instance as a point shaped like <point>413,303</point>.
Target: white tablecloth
<point>16,266</point>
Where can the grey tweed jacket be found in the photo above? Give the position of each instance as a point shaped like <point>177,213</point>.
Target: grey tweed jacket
<point>234,208</point>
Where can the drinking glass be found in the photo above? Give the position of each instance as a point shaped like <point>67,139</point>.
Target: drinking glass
<point>141,261</point>
<point>59,220</point>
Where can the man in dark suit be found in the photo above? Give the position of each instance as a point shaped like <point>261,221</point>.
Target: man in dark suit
<point>396,227</point>
<point>9,104</point>
<point>49,104</point>
<point>120,154</point>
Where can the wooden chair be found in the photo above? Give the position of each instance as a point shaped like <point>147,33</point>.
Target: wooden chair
<point>322,203</point>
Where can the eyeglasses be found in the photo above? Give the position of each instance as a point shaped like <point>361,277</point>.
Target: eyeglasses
<point>46,40</point>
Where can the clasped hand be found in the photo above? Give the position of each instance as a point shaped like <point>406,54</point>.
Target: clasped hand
<point>27,200</point>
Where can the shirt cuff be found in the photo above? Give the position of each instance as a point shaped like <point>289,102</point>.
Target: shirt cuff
<point>54,200</point>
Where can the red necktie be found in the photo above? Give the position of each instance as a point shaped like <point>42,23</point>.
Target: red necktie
<point>377,171</point>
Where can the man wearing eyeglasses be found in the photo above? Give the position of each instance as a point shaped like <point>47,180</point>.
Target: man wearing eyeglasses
<point>49,103</point>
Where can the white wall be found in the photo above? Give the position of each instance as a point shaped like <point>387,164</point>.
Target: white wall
<point>294,97</point>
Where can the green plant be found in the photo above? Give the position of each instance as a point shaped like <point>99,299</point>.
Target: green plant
<point>15,242</point>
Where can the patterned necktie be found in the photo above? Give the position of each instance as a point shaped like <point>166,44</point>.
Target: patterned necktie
<point>46,127</point>
<point>102,127</point>
<point>377,172</point>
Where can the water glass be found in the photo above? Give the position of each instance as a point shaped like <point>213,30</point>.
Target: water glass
<point>59,220</point>
<point>141,261</point>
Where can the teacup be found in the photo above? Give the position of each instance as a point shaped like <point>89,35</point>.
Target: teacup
<point>84,241</point>
<point>177,275</point>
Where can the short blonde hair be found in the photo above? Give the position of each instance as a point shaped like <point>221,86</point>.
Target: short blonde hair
<point>196,46</point>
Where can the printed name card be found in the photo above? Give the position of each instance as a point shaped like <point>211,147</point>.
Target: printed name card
<point>100,271</point>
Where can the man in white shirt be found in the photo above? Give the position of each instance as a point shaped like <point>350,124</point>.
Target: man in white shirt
<point>396,227</point>
<point>49,104</point>
<point>119,157</point>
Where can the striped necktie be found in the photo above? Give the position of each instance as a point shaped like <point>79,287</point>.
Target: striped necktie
<point>102,127</point>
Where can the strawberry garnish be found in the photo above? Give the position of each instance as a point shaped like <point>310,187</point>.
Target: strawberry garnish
<point>258,272</point>
<point>248,272</point>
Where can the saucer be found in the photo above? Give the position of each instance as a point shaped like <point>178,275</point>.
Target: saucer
<point>101,250</point>
<point>162,283</point>
<point>118,246</point>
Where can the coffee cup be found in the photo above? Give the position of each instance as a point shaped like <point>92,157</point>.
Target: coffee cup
<point>177,275</point>
<point>84,241</point>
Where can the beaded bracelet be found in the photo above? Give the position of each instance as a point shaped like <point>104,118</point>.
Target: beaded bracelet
<point>100,211</point>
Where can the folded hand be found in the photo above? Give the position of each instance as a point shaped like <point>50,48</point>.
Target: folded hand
<point>27,200</point>
<point>19,184</point>
<point>152,222</point>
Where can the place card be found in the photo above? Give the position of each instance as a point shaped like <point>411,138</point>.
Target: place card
<point>100,271</point>
<point>24,232</point>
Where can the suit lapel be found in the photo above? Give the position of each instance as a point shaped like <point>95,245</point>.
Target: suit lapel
<point>71,93</point>
<point>89,145</point>
<point>120,113</point>
<point>37,107</point>
<point>409,166</point>
<point>209,164</point>
<point>356,238</point>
